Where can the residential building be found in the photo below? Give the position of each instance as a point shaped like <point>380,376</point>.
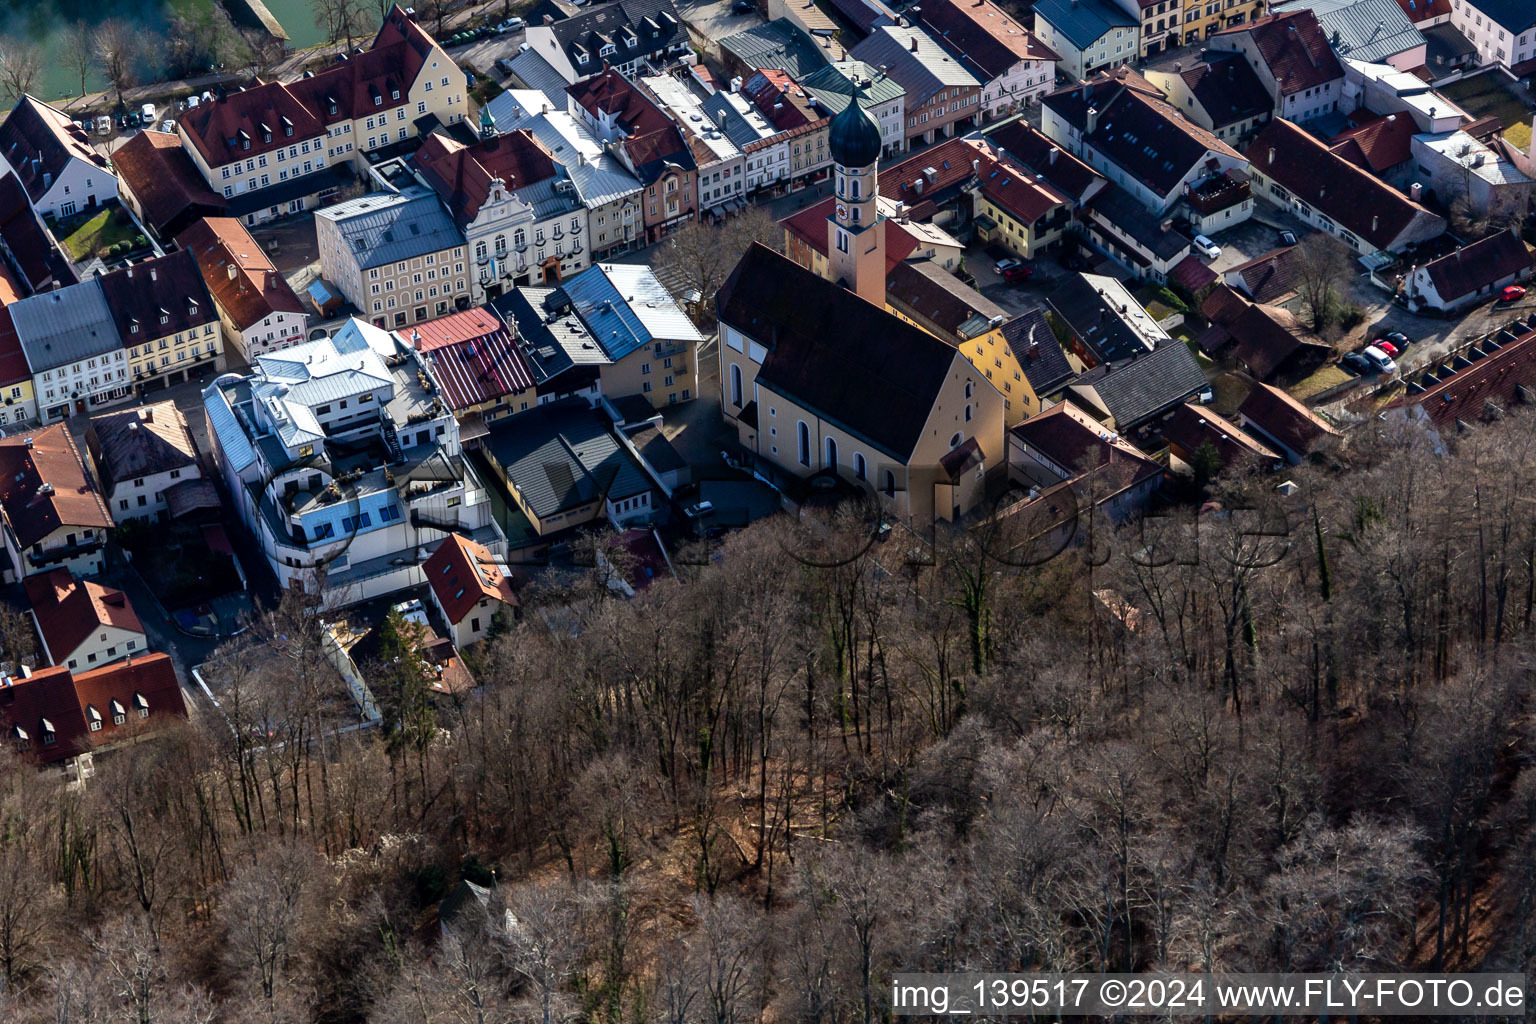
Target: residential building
<point>1123,127</point>
<point>1146,244</point>
<point>1046,364</point>
<point>29,249</point>
<point>1504,31</point>
<point>1381,145</point>
<point>1285,424</point>
<point>795,119</point>
<point>166,319</point>
<point>943,305</point>
<point>1290,54</point>
<point>468,588</point>
<point>514,205</point>
<point>18,402</point>
<point>1160,22</point>
<point>882,97</point>
<point>1462,169</point>
<point>649,344</point>
<point>942,94</point>
<point>1020,143</point>
<point>935,184</point>
<point>1103,320</point>
<point>889,406</point>
<point>475,361</point>
<point>1270,277</point>
<point>1476,384</point>
<point>1377,31</point>
<point>54,161</point>
<point>563,467</point>
<point>604,185</point>
<point>648,144</point>
<point>1204,18</point>
<point>83,624</point>
<point>158,181</point>
<point>396,255</point>
<point>280,148</point>
<point>1200,441</point>
<point>258,310</point>
<point>1013,65</point>
<point>1384,90</point>
<point>1221,94</point>
<point>344,463</point>
<point>631,36</point>
<point>1471,274</point>
<point>141,456</point>
<point>778,45</point>
<point>722,169</point>
<point>1023,213</point>
<point>76,356</point>
<point>1295,170</point>
<point>562,357</point>
<point>54,516</point>
<point>1087,35</point>
<point>1130,395</point>
<point>1265,340</point>
<point>58,717</point>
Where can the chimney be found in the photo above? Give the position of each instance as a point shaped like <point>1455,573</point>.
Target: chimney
<point>1092,121</point>
<point>914,44</point>
<point>152,274</point>
<point>149,414</point>
<point>1271,154</point>
<point>549,19</point>
<point>231,271</point>
<point>1415,191</point>
<point>1374,222</point>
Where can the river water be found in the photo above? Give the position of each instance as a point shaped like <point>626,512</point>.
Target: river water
<point>296,16</point>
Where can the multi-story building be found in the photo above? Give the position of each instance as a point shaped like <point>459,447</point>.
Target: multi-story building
<point>649,145</point>
<point>1221,94</point>
<point>630,36</point>
<point>1292,57</point>
<point>54,161</point>
<point>257,308</point>
<point>54,517</point>
<point>344,463</point>
<point>1504,31</point>
<point>1367,31</point>
<point>1202,18</point>
<point>278,148</point>
<point>141,455</point>
<point>83,624</point>
<point>396,255</point>
<point>476,363</point>
<point>785,106</point>
<point>721,165</point>
<point>73,350</point>
<point>942,94</point>
<point>765,150</point>
<point>166,319</point>
<point>604,185</point>
<point>1014,66</point>
<point>832,87</point>
<point>515,205</point>
<point>1087,35</point>
<point>650,344</point>
<point>18,403</point>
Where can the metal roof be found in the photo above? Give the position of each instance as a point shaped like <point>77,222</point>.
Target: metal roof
<point>1370,30</point>
<point>599,177</point>
<point>387,227</point>
<point>742,123</point>
<point>922,72</point>
<point>780,44</point>
<point>539,75</point>
<point>688,107</point>
<point>831,86</point>
<point>625,307</point>
<point>1083,22</point>
<point>221,420</point>
<point>563,455</point>
<point>65,325</point>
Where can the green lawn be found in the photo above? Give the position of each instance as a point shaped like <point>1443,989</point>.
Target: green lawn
<point>1485,95</point>
<point>87,234</point>
<point>1326,377</point>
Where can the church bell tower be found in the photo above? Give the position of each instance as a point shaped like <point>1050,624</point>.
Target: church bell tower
<point>855,236</point>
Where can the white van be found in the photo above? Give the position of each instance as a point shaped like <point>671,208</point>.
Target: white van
<point>1379,359</point>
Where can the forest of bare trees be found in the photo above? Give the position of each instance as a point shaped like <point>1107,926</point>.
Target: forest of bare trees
<point>1293,733</point>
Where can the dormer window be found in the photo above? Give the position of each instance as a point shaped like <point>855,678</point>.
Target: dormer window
<point>394,94</point>
<point>608,51</point>
<point>165,317</point>
<point>141,705</point>
<point>192,309</point>
<point>133,327</point>
<point>266,134</point>
<point>119,713</point>
<point>50,737</point>
<point>23,741</point>
<point>93,717</point>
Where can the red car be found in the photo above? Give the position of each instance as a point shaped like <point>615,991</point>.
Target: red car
<point>1014,270</point>
<point>1386,346</point>
<point>1512,293</point>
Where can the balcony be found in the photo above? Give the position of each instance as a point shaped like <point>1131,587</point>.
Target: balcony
<point>65,552</point>
<point>1216,194</point>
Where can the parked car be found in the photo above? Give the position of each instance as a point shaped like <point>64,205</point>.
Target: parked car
<point>1513,293</point>
<point>743,7</point>
<point>147,113</point>
<point>1207,247</point>
<point>169,127</point>
<point>510,25</point>
<point>1015,270</point>
<point>699,509</point>
<point>104,125</point>
<point>1379,360</point>
<point>1386,346</point>
<point>1398,338</point>
<point>1358,363</point>
<point>1287,238</point>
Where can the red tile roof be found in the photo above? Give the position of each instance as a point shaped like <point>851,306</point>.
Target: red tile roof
<point>271,115</point>
<point>1191,427</point>
<point>612,93</point>
<point>1025,197</point>
<point>34,131</point>
<point>984,38</point>
<point>810,227</point>
<point>781,101</point>
<point>1503,378</point>
<point>1271,276</point>
<point>163,178</point>
<point>462,572</point>
<point>462,174</point>
<point>244,282</point>
<point>1294,47</point>
<point>1478,265</point>
<point>1284,419</point>
<point>1192,272</point>
<point>951,159</point>
<point>472,357</point>
<point>48,456</point>
<point>1376,143</point>
<point>1356,199</point>
<point>69,610</point>
<point>55,700</point>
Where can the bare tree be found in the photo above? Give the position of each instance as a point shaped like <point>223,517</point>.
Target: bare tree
<point>1324,264</point>
<point>20,65</point>
<point>701,255</point>
<point>541,946</point>
<point>115,46</point>
<point>77,51</point>
<point>264,912</point>
<point>18,640</point>
<point>343,19</point>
